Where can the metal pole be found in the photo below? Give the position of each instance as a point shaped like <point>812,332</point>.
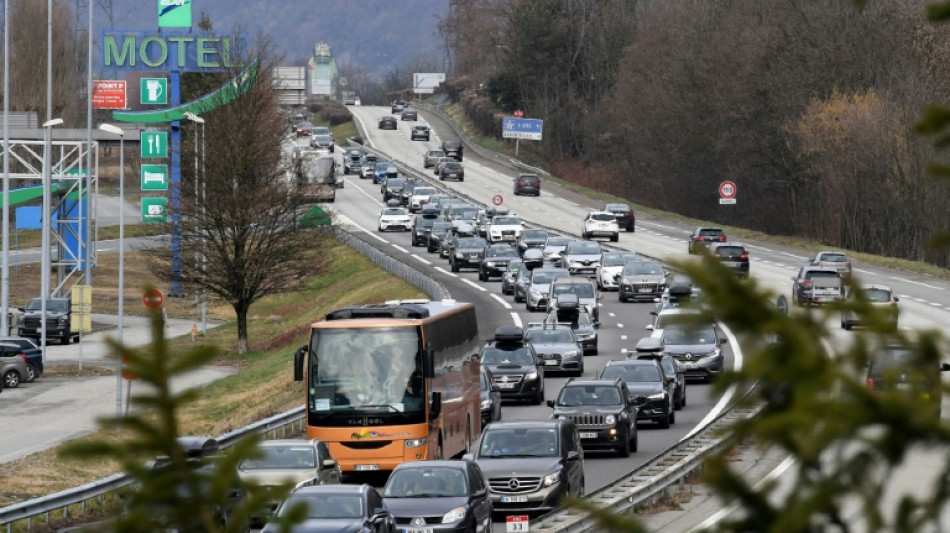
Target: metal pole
<point>45,259</point>
<point>49,61</point>
<point>5,283</point>
<point>193,217</point>
<point>204,252</point>
<point>118,374</point>
<point>87,239</point>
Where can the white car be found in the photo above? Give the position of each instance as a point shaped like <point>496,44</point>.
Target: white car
<point>420,197</point>
<point>600,224</point>
<point>505,229</point>
<point>669,316</point>
<point>395,218</point>
<point>610,267</point>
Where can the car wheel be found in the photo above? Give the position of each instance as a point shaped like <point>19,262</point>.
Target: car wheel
<point>11,379</point>
<point>847,325</point>
<point>664,422</point>
<point>623,297</point>
<point>31,373</point>
<point>615,237</point>
<point>635,444</point>
<point>539,399</point>
<point>65,339</point>
<point>623,450</point>
<point>461,180</point>
<point>518,299</point>
<point>672,414</point>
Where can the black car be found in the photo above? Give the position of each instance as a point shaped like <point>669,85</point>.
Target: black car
<point>388,123</point>
<point>733,256</point>
<point>703,237</point>
<point>495,260</point>
<point>420,131</point>
<point>671,368</point>
<point>466,252</point>
<point>514,365</point>
<point>453,148</point>
<point>625,217</point>
<point>422,224</point>
<point>443,496</point>
<point>645,377</point>
<point>527,184</point>
<point>532,238</point>
<point>392,189</point>
<point>337,508</point>
<point>490,397</point>
<point>510,277</point>
<point>603,410</point>
<point>437,233</point>
<point>452,171</point>
<point>908,371</point>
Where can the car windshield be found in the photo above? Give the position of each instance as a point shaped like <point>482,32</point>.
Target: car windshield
<point>56,306</point>
<point>323,138</point>
<point>891,358</point>
<point>383,165</point>
<point>711,233</point>
<point>583,248</point>
<point>549,336</point>
<point>279,457</point>
<point>730,251</point>
<point>320,506</point>
<point>812,274</point>
<point>877,295</point>
<point>515,356</point>
<point>441,227</point>
<point>576,396</point>
<point>557,241</point>
<point>617,207</point>
<point>436,153</point>
<point>642,268</point>
<point>396,182</point>
<point>472,242</point>
<point>426,482</point>
<point>689,334</point>
<point>423,191</point>
<point>603,217</point>
<point>618,259</point>
<point>321,130</point>
<point>501,251</point>
<point>540,276</point>
<point>540,442</point>
<point>632,373</point>
<point>833,258</point>
<point>582,289</point>
<point>534,234</point>
<point>396,211</point>
<point>506,221</point>
<point>466,214</point>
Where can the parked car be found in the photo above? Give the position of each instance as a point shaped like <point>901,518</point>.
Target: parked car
<point>531,464</point>
<point>531,238</point>
<point>510,276</point>
<point>879,298</point>
<point>409,114</point>
<point>600,224</point>
<point>58,320</point>
<point>453,148</point>
<point>527,184</point>
<point>337,508</point>
<point>451,170</point>
<point>604,412</point>
<point>905,370</point>
<point>514,365</point>
<point>443,496</point>
<point>836,260</point>
<point>388,122</point>
<point>490,397</point>
<point>732,256</point>
<point>431,157</point>
<point>701,237</point>
<point>419,132</point>
<point>13,370</point>
<point>17,346</point>
<point>495,260</point>
<point>556,345</point>
<point>610,267</point>
<point>697,347</point>
<point>816,285</point>
<point>581,257</point>
<point>645,377</point>
<point>572,313</point>
<point>538,286</point>
<point>642,280</point>
<point>625,217</point>
<point>394,218</point>
<point>467,252</point>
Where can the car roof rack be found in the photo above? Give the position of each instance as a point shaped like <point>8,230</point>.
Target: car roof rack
<point>509,333</point>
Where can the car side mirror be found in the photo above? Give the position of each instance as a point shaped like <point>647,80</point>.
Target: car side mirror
<point>329,463</point>
<point>436,408</point>
<point>723,340</point>
<point>671,379</point>
<point>495,388</point>
<point>793,278</point>
<point>649,327</point>
<point>481,493</point>
<point>896,299</point>
<point>550,403</point>
<point>468,457</point>
<point>379,513</point>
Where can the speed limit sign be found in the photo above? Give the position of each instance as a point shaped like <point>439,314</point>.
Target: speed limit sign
<point>517,524</point>
<point>497,199</point>
<point>727,192</point>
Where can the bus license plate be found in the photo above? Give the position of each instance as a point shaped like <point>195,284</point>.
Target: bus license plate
<point>514,499</point>
<point>363,468</point>
<point>588,435</point>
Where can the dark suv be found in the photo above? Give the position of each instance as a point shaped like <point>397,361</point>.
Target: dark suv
<point>514,365</point>
<point>647,378</point>
<point>604,412</point>
<point>422,224</point>
<point>905,369</point>
<point>453,148</point>
<point>733,256</point>
<point>495,260</point>
<point>625,218</point>
<point>527,184</point>
<point>531,464</point>
<point>466,252</point>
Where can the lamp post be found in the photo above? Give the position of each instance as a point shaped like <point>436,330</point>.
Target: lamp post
<point>197,120</point>
<point>118,374</point>
<point>47,223</point>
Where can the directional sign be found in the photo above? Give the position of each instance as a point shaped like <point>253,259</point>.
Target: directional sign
<point>174,13</point>
<point>727,193</point>
<point>521,128</point>
<point>154,177</point>
<point>153,91</point>
<point>154,210</point>
<point>426,82</point>
<point>154,143</point>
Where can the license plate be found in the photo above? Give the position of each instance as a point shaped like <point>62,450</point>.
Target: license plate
<point>514,499</point>
<point>588,435</point>
<point>506,385</point>
<point>644,289</point>
<point>364,468</point>
<point>417,530</point>
<point>551,362</point>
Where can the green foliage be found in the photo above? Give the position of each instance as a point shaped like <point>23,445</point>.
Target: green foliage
<point>174,491</point>
<point>503,90</point>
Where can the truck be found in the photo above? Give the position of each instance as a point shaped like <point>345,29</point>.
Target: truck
<point>58,320</point>
<point>315,176</point>
<point>349,97</point>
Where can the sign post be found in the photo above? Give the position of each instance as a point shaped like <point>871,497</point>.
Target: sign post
<point>518,128</point>
<point>727,193</point>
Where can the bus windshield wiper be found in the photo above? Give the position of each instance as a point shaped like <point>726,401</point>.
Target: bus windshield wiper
<point>380,406</point>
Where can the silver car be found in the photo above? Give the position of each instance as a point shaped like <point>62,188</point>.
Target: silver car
<point>582,288</point>
<point>642,280</point>
<point>581,257</point>
<point>431,157</point>
<point>557,347</point>
<point>538,285</point>
<point>553,248</point>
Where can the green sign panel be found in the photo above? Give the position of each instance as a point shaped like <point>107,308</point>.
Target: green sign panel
<point>174,13</point>
<point>154,177</point>
<point>154,210</point>
<point>153,91</point>
<point>154,143</point>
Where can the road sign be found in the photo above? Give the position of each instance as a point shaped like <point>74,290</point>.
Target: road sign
<point>153,298</point>
<point>518,113</point>
<point>174,13</point>
<point>153,91</point>
<point>727,192</point>
<point>109,94</point>
<point>81,296</point>
<point>497,199</point>
<point>154,143</point>
<point>126,374</point>
<point>154,210</point>
<point>426,82</point>
<point>517,524</point>
<point>521,128</point>
<point>154,177</point>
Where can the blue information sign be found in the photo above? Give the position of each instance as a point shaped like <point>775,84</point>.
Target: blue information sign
<point>521,128</point>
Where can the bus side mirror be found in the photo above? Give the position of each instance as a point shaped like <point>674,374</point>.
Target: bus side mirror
<point>436,408</point>
<point>299,356</point>
<point>427,364</point>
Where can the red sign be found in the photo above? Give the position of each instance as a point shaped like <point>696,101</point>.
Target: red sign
<point>497,199</point>
<point>518,113</point>
<point>517,524</point>
<point>727,189</point>
<point>109,94</point>
<point>153,298</point>
<point>126,375</point>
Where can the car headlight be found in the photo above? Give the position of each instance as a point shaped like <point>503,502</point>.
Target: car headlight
<point>610,419</point>
<point>531,376</point>
<point>656,397</point>
<point>486,404</point>
<point>552,479</point>
<point>455,515</point>
<point>714,353</point>
<point>459,255</point>
<point>304,483</point>
<point>489,263</point>
<point>572,353</point>
<point>415,443</point>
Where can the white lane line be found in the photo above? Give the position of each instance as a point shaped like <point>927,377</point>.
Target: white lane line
<point>917,283</point>
<point>569,202</point>
<point>623,338</point>
<point>764,249</point>
<point>730,392</point>
<point>421,259</point>
<point>611,314</point>
<point>501,301</point>
<point>722,513</point>
<point>935,304</point>
<point>476,285</point>
<point>446,272</point>
<point>619,326</point>
<point>400,248</point>
<point>349,221</point>
<point>861,270</point>
<point>516,319</point>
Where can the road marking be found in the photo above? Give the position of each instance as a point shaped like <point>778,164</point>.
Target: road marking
<point>623,338</point>
<point>619,326</point>
<point>516,319</point>
<point>569,202</point>
<point>446,272</point>
<point>861,270</point>
<point>473,284</point>
<point>421,259</point>
<point>917,283</point>
<point>764,249</point>
<point>726,398</point>
<point>501,301</point>
<point>935,304</point>
<point>793,256</point>
<point>400,248</point>
<point>722,513</point>
<point>346,220</point>
<point>611,314</point>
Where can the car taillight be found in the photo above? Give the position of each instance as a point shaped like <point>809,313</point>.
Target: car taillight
<point>23,356</point>
<point>628,215</point>
<point>700,238</point>
<point>744,257</point>
<point>870,383</point>
<point>806,283</point>
<point>722,239</point>
<point>521,184</point>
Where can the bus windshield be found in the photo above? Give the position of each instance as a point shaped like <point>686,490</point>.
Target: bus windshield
<point>368,371</point>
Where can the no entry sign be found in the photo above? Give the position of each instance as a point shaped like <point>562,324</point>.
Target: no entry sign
<point>153,298</point>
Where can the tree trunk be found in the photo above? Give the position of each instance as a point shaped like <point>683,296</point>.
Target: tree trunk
<point>241,308</point>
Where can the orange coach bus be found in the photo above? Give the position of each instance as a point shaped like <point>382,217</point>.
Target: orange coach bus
<point>393,382</point>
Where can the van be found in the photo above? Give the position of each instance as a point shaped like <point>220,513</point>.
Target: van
<point>453,148</point>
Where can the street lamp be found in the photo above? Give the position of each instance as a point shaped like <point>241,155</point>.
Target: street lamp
<point>47,223</point>
<point>197,120</point>
<point>118,374</point>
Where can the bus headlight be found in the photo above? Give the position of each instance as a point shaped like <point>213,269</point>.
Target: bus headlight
<point>415,443</point>
<point>455,515</point>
